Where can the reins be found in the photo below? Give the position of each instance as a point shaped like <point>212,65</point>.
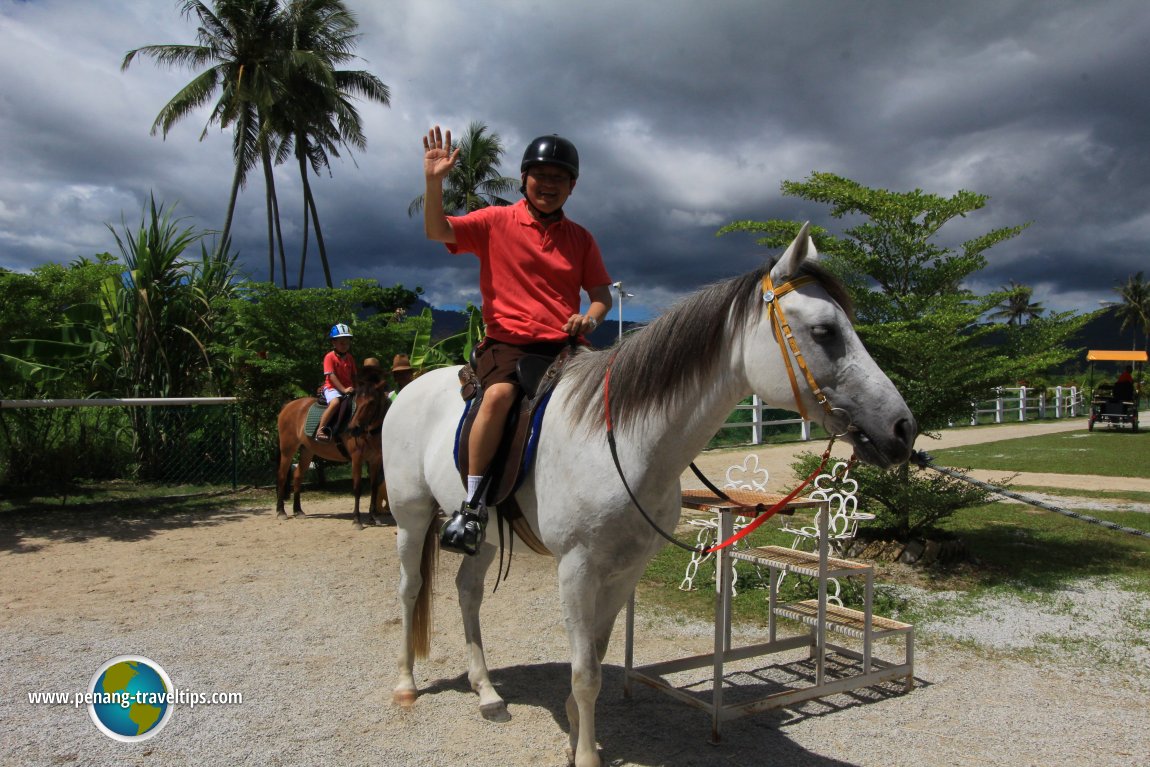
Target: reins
<point>789,348</point>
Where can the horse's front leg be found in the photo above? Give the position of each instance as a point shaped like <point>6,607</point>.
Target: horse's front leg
<point>375,479</point>
<point>469,583</point>
<point>356,466</point>
<point>578,590</point>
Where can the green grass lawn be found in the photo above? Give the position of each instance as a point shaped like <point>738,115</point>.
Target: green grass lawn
<point>1108,452</point>
<point>1013,548</point>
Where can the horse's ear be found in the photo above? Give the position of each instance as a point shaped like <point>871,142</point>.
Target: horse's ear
<point>801,248</point>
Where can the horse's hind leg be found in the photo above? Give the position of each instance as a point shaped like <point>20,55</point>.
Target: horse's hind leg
<point>283,474</point>
<point>469,583</point>
<point>417,542</point>
<point>305,456</point>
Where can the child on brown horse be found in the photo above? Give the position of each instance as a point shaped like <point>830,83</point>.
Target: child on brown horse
<point>339,373</point>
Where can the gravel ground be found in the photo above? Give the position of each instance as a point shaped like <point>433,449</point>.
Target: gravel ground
<point>300,617</point>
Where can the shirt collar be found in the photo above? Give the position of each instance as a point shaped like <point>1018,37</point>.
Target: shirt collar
<point>524,217</point>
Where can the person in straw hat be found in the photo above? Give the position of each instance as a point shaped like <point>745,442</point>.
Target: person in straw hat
<point>402,372</point>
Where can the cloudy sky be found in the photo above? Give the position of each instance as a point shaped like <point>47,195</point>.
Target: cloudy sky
<point>687,116</point>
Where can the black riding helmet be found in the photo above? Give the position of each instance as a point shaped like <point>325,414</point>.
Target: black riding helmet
<point>551,150</point>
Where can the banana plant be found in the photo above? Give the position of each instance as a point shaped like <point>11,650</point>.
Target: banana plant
<point>77,339</point>
<point>453,350</point>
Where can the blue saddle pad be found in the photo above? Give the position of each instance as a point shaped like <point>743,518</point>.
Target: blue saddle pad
<point>532,443</point>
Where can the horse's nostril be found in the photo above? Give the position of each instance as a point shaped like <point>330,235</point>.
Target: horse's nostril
<point>906,430</point>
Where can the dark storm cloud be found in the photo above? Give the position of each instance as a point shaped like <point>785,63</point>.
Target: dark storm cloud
<point>687,116</point>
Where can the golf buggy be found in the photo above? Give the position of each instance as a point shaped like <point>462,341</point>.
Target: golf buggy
<point>1116,403</point>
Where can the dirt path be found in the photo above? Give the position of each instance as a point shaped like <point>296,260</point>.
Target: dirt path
<point>300,617</point>
<point>777,459</point>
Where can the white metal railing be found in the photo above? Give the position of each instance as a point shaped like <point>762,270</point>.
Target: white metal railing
<point>1022,403</point>
<point>757,406</point>
<point>116,402</point>
<point>1010,404</point>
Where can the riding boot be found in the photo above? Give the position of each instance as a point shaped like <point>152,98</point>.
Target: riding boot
<point>464,532</point>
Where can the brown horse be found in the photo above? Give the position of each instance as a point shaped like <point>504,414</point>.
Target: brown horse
<point>357,442</point>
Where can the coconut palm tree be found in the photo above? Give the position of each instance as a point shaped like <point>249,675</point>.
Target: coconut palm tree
<point>1134,311</point>
<point>1016,306</point>
<point>241,42</point>
<point>318,115</point>
<point>474,182</point>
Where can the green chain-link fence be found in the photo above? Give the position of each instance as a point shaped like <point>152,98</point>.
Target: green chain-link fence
<point>50,449</point>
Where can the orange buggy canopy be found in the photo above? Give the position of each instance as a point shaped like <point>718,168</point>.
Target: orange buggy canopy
<point>1099,355</point>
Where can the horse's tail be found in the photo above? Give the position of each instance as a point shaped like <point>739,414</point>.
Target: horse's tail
<point>421,618</point>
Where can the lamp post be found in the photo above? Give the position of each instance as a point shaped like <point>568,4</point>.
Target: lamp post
<point>618,286</point>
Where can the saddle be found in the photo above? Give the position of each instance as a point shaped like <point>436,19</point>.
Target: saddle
<point>513,459</point>
<point>338,423</point>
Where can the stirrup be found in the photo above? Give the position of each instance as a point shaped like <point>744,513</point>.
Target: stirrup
<point>464,532</point>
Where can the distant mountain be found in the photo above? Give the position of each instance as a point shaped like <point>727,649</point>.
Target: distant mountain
<point>444,322</point>
<point>1104,332</point>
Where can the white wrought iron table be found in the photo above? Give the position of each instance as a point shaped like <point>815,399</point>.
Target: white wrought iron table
<point>816,614</point>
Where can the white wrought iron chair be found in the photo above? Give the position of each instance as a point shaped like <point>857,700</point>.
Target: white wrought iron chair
<point>745,476</point>
<point>840,491</point>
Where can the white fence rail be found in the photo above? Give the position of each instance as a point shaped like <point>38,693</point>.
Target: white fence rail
<point>1010,404</point>
<point>1021,403</point>
<point>756,424</point>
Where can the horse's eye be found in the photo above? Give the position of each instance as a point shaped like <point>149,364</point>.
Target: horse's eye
<point>822,332</point>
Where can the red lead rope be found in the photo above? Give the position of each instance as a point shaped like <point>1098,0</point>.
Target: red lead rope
<point>763,517</point>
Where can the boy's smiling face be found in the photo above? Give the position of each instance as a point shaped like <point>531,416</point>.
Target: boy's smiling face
<point>341,345</point>
<point>548,187</point>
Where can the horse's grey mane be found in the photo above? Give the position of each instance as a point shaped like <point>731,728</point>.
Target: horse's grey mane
<point>675,353</point>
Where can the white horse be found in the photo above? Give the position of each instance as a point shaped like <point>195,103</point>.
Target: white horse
<point>672,384</point>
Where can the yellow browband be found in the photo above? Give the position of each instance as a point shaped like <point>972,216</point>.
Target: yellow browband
<point>782,331</point>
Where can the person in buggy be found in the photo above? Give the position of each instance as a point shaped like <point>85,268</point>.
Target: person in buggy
<point>1123,390</point>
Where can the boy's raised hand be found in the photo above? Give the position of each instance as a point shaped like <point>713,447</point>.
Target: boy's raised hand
<point>438,157</point>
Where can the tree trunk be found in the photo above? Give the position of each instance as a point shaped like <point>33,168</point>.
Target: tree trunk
<point>275,232</point>
<point>237,182</point>
<point>318,232</point>
<point>303,178</point>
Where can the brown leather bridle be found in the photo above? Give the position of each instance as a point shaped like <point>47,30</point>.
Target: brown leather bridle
<point>788,344</point>
<point>789,348</point>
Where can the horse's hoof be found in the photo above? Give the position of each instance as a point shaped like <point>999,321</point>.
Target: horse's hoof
<point>495,712</point>
<point>282,515</point>
<point>358,525</point>
<point>403,698</point>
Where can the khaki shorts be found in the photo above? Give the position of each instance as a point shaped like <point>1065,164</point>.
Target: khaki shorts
<point>496,361</point>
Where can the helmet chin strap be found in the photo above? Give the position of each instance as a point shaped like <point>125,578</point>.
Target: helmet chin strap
<point>538,215</point>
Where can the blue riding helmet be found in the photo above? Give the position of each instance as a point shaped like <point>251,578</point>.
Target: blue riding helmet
<point>340,331</point>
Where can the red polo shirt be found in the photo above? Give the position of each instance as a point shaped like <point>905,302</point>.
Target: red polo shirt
<point>341,366</point>
<point>530,274</point>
